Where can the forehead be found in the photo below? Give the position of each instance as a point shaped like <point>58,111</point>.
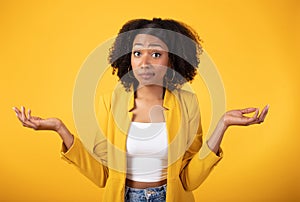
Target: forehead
<point>149,41</point>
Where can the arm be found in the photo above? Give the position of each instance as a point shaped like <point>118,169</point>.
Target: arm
<point>73,151</point>
<point>196,164</point>
<point>234,117</point>
<point>198,160</point>
<point>37,123</point>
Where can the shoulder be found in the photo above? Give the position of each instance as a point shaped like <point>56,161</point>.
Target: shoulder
<point>188,101</point>
<point>107,97</point>
<point>185,95</point>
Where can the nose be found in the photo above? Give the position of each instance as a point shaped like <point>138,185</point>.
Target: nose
<point>145,61</point>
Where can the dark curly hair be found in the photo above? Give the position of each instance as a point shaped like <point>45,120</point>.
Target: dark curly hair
<point>182,41</point>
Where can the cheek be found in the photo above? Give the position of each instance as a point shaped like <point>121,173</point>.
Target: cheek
<point>161,71</point>
<point>164,72</point>
<point>134,63</point>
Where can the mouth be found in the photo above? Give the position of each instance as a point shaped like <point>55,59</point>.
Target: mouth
<point>147,75</point>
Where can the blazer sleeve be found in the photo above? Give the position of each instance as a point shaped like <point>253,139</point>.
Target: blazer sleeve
<point>85,163</point>
<point>198,160</point>
<point>93,166</point>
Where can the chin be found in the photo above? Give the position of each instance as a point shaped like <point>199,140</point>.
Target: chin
<point>150,83</point>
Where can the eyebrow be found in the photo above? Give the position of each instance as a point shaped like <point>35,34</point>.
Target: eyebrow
<point>150,45</point>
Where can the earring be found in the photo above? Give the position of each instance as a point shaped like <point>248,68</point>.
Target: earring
<point>173,76</point>
<point>169,81</point>
<point>129,74</point>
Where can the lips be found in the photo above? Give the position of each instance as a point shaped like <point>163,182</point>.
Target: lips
<point>146,75</point>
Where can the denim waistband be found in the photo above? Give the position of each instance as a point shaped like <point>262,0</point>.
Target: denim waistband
<point>147,194</point>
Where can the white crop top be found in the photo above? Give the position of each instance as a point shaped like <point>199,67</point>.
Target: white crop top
<point>147,152</point>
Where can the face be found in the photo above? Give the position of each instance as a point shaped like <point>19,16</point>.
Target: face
<point>149,59</point>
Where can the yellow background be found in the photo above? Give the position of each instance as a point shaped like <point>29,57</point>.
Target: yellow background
<point>255,45</point>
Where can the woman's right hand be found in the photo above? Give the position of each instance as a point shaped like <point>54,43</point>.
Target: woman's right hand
<point>37,123</point>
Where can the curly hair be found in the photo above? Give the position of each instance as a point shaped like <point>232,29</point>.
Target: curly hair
<point>182,41</point>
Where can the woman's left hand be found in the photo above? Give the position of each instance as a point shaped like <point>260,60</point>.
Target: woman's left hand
<point>237,117</point>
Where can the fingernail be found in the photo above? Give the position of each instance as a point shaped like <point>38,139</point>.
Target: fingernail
<point>14,108</point>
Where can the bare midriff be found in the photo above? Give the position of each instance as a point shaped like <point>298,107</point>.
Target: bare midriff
<point>143,185</point>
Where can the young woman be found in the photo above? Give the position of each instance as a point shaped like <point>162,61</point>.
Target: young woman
<point>159,154</point>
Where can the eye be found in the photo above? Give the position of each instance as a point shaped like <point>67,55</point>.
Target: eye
<point>136,53</point>
<point>156,55</point>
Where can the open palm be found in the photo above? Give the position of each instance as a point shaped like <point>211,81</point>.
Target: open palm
<point>36,123</point>
<point>237,117</point>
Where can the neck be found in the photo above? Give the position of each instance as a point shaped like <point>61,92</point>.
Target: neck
<point>150,92</point>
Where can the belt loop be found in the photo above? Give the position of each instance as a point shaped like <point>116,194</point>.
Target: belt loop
<point>165,187</point>
<point>126,191</point>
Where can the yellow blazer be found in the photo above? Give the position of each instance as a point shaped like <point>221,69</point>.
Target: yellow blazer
<point>189,161</point>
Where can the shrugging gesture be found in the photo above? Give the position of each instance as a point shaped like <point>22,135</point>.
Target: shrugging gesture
<point>235,117</point>
<point>38,123</point>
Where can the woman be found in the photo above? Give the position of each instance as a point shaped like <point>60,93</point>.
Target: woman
<point>158,153</point>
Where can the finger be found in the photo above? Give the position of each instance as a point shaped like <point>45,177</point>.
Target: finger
<point>18,114</point>
<point>251,120</point>
<point>262,116</point>
<point>248,110</point>
<point>29,114</point>
<point>254,117</point>
<point>20,119</point>
<point>256,113</point>
<point>28,122</point>
<point>17,111</point>
<point>264,113</point>
<point>23,114</point>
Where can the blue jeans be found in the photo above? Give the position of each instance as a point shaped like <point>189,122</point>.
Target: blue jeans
<point>151,194</point>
